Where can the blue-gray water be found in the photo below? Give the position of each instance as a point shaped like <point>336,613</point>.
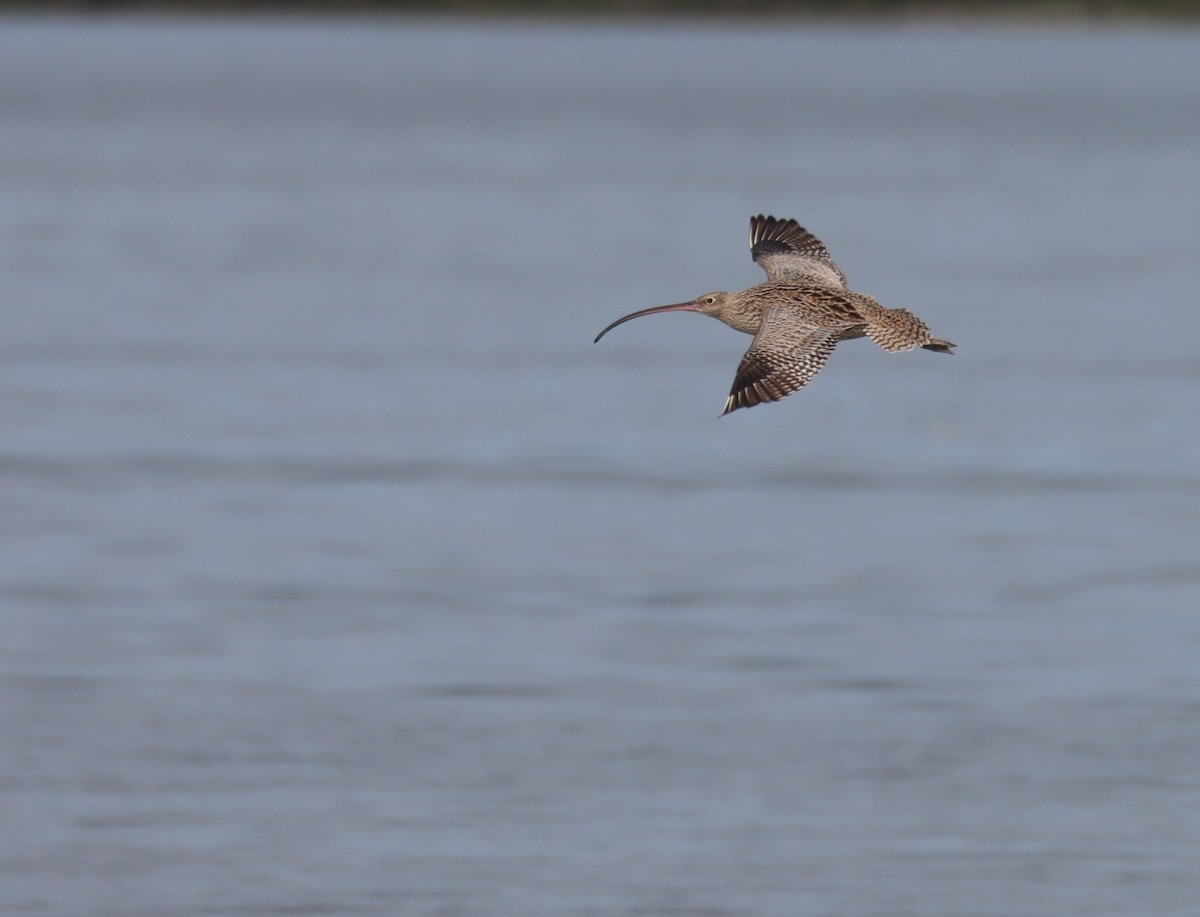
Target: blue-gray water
<point>342,574</point>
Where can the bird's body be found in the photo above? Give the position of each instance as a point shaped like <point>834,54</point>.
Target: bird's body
<point>797,316</point>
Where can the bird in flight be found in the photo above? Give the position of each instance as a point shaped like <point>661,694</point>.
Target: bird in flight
<point>798,316</point>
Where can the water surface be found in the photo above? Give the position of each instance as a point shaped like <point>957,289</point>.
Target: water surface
<point>343,574</point>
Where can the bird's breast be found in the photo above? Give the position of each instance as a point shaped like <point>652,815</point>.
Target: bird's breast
<point>746,319</point>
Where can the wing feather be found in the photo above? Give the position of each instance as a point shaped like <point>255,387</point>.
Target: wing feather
<point>783,357</point>
<point>787,251</point>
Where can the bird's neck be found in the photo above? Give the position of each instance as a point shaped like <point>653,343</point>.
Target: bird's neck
<point>742,313</point>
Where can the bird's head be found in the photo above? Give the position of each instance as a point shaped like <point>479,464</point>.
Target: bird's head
<point>711,303</point>
<point>708,304</point>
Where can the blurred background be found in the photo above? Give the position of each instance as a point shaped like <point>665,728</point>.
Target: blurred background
<point>343,574</point>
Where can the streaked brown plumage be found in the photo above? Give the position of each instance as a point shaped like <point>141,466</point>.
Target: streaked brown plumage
<point>798,316</point>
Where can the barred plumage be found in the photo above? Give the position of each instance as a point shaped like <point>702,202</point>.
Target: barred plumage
<point>798,316</point>
<point>788,251</point>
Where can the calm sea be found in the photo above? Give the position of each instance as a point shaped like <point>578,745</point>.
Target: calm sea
<point>342,574</point>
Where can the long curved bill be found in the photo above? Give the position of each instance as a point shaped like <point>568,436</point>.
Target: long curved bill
<point>674,307</point>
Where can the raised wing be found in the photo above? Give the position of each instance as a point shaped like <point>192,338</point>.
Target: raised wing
<point>789,252</point>
<point>783,357</point>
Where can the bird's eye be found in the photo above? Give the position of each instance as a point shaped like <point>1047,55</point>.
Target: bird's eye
<point>710,299</point>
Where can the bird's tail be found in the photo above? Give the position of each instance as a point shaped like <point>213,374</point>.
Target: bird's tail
<point>937,345</point>
<point>897,329</point>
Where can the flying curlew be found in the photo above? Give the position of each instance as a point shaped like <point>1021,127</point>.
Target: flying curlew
<point>797,316</point>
